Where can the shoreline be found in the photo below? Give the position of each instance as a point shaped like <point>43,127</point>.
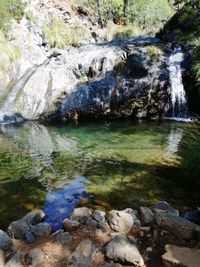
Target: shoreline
<point>150,236</point>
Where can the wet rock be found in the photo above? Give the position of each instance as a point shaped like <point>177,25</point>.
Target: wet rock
<point>70,225</point>
<point>122,250</point>
<point>29,237</point>
<point>5,241</point>
<point>63,237</point>
<point>35,257</point>
<point>81,214</point>
<point>179,226</point>
<point>41,229</point>
<point>2,258</point>
<point>18,229</point>
<point>34,217</point>
<point>147,215</point>
<point>163,205</point>
<point>120,221</point>
<point>83,255</point>
<point>181,256</point>
<point>15,261</point>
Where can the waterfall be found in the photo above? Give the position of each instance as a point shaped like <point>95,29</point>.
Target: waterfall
<point>178,94</point>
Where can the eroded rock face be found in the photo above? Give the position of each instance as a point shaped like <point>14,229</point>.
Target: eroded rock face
<point>120,249</point>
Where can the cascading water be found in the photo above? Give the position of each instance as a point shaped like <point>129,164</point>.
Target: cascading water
<point>178,94</point>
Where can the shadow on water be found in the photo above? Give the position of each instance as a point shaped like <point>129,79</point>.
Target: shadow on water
<point>127,164</point>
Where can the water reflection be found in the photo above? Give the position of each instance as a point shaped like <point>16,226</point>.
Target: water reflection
<point>123,162</point>
<point>173,142</point>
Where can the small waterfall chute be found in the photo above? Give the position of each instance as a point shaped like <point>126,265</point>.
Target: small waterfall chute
<point>178,94</point>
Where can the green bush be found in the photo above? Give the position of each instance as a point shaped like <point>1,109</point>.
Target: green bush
<point>10,9</point>
<point>60,34</point>
<point>8,53</point>
<point>196,58</point>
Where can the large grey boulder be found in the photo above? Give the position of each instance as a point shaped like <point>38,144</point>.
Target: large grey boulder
<point>147,215</point>
<point>81,214</point>
<point>120,221</point>
<point>18,229</point>
<point>120,249</point>
<point>5,241</point>
<point>41,229</point>
<point>179,226</point>
<point>34,217</point>
<point>83,255</point>
<point>181,256</point>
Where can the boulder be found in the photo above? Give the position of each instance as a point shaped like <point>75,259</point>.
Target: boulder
<point>147,215</point>
<point>120,221</point>
<point>99,216</point>
<point>83,255</point>
<point>35,257</point>
<point>34,217</point>
<point>163,205</point>
<point>5,241</point>
<point>29,237</point>
<point>81,214</point>
<point>179,226</point>
<point>181,256</point>
<point>18,229</point>
<point>41,229</point>
<point>70,225</point>
<point>122,250</point>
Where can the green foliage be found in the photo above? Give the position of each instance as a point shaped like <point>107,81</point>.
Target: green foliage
<point>8,54</point>
<point>60,35</point>
<point>190,153</point>
<point>155,52</point>
<point>10,9</point>
<point>196,58</point>
<point>114,31</point>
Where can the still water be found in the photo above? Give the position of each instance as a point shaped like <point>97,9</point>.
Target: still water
<point>124,164</point>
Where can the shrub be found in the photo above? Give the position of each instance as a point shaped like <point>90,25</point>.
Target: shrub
<point>10,9</point>
<point>155,52</point>
<point>60,34</point>
<point>190,153</point>
<point>114,31</point>
<point>196,58</point>
<point>8,53</point>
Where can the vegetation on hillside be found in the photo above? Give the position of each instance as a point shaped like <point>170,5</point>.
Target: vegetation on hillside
<point>10,9</point>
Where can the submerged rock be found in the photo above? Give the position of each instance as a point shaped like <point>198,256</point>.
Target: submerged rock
<point>122,250</point>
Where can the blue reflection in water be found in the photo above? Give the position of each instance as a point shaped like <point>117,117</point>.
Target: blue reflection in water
<point>60,204</point>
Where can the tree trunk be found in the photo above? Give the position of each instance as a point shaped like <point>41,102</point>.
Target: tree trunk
<point>99,8</point>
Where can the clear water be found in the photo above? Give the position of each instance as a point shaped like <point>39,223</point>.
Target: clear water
<point>126,164</point>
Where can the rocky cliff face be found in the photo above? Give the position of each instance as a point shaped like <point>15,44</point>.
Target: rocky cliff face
<point>121,78</point>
